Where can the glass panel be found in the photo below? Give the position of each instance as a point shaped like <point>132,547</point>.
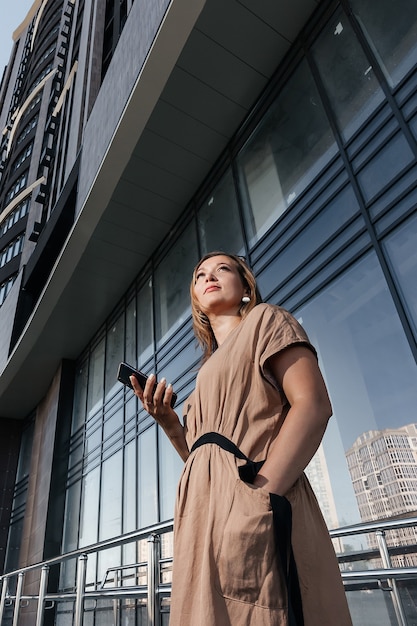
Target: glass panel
<point>371,374</point>
<point>96,379</point>
<point>110,510</point>
<point>347,75</point>
<point>113,427</point>
<point>301,242</point>
<point>385,165</point>
<point>286,152</point>
<point>129,488</point>
<point>145,323</point>
<point>131,320</point>
<point>218,219</point>
<point>89,508</point>
<point>402,252</point>
<point>147,494</point>
<point>170,468</point>
<point>391,30</point>
<point>172,284</point>
<point>80,397</point>
<point>114,354</point>
<point>70,535</point>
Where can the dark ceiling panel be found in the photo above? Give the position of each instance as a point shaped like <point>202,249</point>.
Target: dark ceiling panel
<point>214,65</point>
<point>287,17</point>
<point>253,41</point>
<point>184,129</point>
<point>187,93</point>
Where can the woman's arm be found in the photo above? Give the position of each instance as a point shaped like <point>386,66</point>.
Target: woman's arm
<point>158,405</point>
<point>298,374</point>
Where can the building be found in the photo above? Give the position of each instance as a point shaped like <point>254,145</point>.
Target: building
<point>383,467</point>
<point>138,135</point>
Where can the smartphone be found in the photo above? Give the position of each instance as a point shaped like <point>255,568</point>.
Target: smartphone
<point>124,373</point>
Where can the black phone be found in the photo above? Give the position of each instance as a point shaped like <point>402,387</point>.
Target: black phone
<point>124,373</point>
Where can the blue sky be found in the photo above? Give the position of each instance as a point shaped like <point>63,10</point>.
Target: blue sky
<point>12,14</point>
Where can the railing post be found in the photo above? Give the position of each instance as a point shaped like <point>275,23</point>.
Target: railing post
<point>80,591</point>
<point>154,542</point>
<point>386,562</point>
<point>4,586</point>
<point>42,592</point>
<point>20,579</point>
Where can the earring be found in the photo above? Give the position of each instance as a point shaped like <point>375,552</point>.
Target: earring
<point>245,299</point>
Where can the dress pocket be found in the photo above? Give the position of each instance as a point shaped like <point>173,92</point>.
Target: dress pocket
<point>247,563</point>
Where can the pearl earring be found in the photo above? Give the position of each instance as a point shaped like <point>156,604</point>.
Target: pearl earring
<point>245,299</point>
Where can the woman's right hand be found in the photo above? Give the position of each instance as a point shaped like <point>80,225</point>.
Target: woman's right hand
<point>157,402</point>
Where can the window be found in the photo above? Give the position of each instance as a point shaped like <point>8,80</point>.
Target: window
<point>391,30</point>
<point>11,250</point>
<point>286,152</point>
<point>218,219</point>
<point>5,288</point>
<point>16,188</point>
<point>401,249</point>
<point>347,75</point>
<point>172,280</point>
<point>26,130</point>
<point>114,354</point>
<point>14,216</point>
<point>23,156</point>
<point>368,367</point>
<point>145,336</point>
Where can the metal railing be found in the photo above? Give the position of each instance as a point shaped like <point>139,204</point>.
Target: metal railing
<point>153,590</point>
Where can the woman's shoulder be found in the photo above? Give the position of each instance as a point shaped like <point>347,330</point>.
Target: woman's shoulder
<point>272,318</point>
<point>269,311</point>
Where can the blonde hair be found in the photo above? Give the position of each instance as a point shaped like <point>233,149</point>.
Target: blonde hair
<point>201,323</point>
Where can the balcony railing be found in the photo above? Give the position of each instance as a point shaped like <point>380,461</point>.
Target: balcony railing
<point>123,582</point>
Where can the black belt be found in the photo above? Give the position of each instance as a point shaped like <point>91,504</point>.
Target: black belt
<point>282,518</point>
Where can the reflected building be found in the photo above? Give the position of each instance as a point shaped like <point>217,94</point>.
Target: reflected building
<point>383,467</point>
<point>135,136</point>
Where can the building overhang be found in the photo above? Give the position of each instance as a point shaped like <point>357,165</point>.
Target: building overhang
<point>207,66</point>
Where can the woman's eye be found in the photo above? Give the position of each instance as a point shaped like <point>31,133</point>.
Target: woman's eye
<point>223,267</point>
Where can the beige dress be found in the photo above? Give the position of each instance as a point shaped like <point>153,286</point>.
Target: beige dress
<point>226,571</point>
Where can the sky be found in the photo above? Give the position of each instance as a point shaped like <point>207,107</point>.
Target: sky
<point>12,14</point>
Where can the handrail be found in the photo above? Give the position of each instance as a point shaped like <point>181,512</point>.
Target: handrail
<point>106,544</point>
<point>154,589</point>
<point>365,527</point>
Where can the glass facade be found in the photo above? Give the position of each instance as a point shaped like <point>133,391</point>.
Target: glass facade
<point>321,196</point>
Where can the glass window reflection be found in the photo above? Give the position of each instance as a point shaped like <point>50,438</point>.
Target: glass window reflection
<point>172,280</point>
<point>370,373</point>
<point>96,378</point>
<point>347,75</point>
<point>290,147</point>
<point>170,467</point>
<point>147,481</point>
<point>131,320</point>
<point>391,30</point>
<point>402,252</point>
<point>114,354</point>
<point>145,322</point>
<point>80,396</point>
<point>218,219</point>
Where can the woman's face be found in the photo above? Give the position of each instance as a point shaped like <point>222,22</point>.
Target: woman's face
<point>218,286</point>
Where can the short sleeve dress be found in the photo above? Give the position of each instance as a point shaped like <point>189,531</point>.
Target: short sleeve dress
<point>225,563</point>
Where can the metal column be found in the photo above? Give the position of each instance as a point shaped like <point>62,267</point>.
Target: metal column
<point>42,592</point>
<point>386,561</point>
<point>80,591</point>
<point>154,543</point>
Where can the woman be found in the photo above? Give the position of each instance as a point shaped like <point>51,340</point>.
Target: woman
<point>260,388</point>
